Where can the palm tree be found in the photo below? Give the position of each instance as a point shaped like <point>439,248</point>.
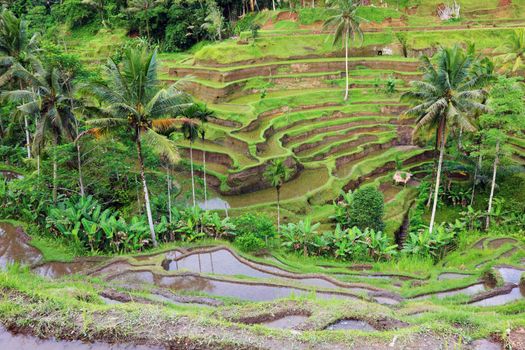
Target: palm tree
<point>134,103</point>
<point>512,55</point>
<point>347,26</point>
<point>277,173</point>
<point>144,8</point>
<point>51,98</point>
<point>191,131</point>
<point>17,50</point>
<point>446,96</point>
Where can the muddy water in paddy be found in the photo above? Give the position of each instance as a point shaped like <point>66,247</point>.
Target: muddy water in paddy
<point>452,276</point>
<point>509,275</point>
<point>10,341</point>
<point>287,322</point>
<point>470,290</point>
<point>15,247</point>
<point>223,262</point>
<point>244,291</point>
<point>59,269</point>
<point>351,324</point>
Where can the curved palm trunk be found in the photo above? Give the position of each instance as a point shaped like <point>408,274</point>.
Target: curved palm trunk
<point>438,178</point>
<point>204,178</point>
<point>145,188</point>
<point>346,66</point>
<point>192,177</point>
<point>493,186</point>
<point>168,179</point>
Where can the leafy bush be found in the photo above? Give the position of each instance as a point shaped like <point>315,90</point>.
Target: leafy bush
<point>364,208</point>
<point>84,221</point>
<point>258,224</point>
<point>73,12</point>
<point>344,244</point>
<point>249,243</point>
<point>435,244</point>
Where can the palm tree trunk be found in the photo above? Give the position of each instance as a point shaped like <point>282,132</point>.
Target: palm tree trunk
<point>204,175</point>
<point>145,188</point>
<point>434,165</point>
<point>278,209</point>
<point>55,172</point>
<point>438,178</point>
<point>38,165</point>
<point>192,177</point>
<point>252,5</point>
<point>168,179</point>
<point>492,187</point>
<point>478,167</point>
<point>28,140</point>
<point>273,4</point>
<point>79,164</point>
<point>346,66</point>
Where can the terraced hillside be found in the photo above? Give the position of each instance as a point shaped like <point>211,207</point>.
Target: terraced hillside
<point>281,95</point>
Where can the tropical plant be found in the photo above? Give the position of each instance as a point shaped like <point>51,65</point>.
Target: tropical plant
<point>191,130</point>
<point>277,173</point>
<point>347,25</point>
<point>135,105</point>
<point>366,209</point>
<point>446,96</point>
<point>512,57</point>
<point>302,236</point>
<point>214,22</point>
<point>50,97</point>
<point>145,10</point>
<point>507,115</point>
<point>17,50</point>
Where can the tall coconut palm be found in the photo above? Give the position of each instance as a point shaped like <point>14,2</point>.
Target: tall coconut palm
<point>51,98</point>
<point>134,103</point>
<point>447,95</point>
<point>347,26</point>
<point>191,131</point>
<point>512,57</point>
<point>17,49</point>
<point>277,173</point>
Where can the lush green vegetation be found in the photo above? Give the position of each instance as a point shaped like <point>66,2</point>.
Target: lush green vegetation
<point>300,139</point>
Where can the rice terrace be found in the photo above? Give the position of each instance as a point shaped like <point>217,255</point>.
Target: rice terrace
<point>219,174</point>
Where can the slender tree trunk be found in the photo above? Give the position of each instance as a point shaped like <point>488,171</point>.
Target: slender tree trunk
<point>278,209</point>
<point>192,177</point>
<point>28,140</point>
<point>79,164</point>
<point>145,188</point>
<point>434,165</point>
<point>313,3</point>
<point>438,177</point>
<point>346,66</point>
<point>168,178</point>
<point>38,165</point>
<point>252,5</point>
<point>493,186</point>
<point>273,4</point>
<point>139,204</point>
<point>204,175</point>
<point>478,167</point>
<point>147,29</point>
<point>55,173</point>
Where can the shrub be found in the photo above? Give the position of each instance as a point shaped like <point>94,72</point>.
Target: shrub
<point>73,12</point>
<point>366,209</point>
<point>258,224</point>
<point>249,243</point>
